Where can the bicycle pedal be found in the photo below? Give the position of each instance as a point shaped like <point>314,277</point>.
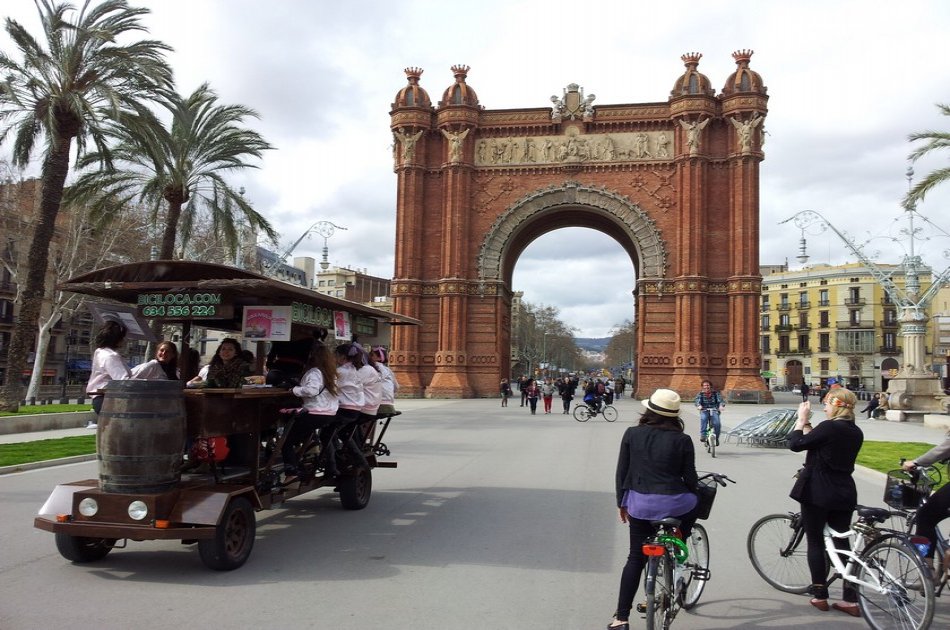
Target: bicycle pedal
<point>701,574</point>
<point>642,609</point>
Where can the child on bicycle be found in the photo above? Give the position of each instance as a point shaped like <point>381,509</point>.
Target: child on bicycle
<point>710,404</point>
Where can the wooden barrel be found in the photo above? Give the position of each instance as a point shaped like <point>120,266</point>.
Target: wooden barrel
<point>141,436</point>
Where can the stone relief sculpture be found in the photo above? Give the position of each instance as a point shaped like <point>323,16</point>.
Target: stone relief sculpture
<point>573,105</point>
<point>744,130</point>
<point>694,130</point>
<point>455,138</point>
<point>662,146</point>
<point>408,143</point>
<point>574,146</point>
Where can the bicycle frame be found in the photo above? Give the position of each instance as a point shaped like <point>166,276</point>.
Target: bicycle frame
<point>854,559</point>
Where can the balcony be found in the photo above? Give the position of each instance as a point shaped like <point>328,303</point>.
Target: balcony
<point>824,302</point>
<point>801,352</point>
<point>824,348</point>
<point>804,326</point>
<point>891,325</point>
<point>888,350</point>
<point>854,302</point>
<point>847,350</point>
<point>765,307</point>
<point>783,327</point>
<point>785,306</point>
<point>864,323</point>
<point>804,305</point>
<point>824,324</point>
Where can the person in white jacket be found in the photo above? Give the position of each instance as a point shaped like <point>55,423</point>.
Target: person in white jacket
<point>318,389</point>
<point>390,385</point>
<point>107,364</point>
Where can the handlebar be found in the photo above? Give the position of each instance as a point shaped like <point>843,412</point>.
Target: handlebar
<point>717,477</point>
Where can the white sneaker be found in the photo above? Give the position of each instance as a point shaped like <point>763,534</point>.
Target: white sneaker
<point>92,425</point>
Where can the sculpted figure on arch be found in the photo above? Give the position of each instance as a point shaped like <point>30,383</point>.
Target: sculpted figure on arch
<point>408,143</point>
<point>744,130</point>
<point>694,130</point>
<point>455,138</point>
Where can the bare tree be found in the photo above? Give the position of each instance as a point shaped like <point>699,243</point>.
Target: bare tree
<point>81,247</point>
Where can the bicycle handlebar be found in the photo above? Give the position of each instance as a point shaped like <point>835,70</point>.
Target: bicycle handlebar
<point>717,477</point>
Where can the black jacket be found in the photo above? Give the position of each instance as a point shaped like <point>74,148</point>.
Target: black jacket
<point>655,461</point>
<point>826,480</point>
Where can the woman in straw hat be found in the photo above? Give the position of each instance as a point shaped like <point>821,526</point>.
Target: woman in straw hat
<point>656,478</point>
<point>825,487</point>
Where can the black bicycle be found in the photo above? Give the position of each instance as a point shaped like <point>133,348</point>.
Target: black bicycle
<point>677,570</point>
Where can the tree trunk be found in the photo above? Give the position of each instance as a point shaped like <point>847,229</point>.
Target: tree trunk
<point>55,169</point>
<point>171,230</point>
<point>39,360</point>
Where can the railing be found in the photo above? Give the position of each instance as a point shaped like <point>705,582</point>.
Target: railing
<point>765,307</point>
<point>804,352</point>
<point>803,305</point>
<point>824,324</point>
<point>824,348</point>
<point>887,324</point>
<point>805,326</point>
<point>824,302</point>
<point>854,302</point>
<point>847,350</point>
<point>864,323</point>
<point>889,350</point>
<point>785,306</point>
<point>783,327</point>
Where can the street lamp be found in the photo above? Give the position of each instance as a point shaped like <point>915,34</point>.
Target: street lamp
<point>70,339</point>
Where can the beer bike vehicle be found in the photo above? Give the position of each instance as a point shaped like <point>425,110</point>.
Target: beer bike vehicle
<point>145,491</point>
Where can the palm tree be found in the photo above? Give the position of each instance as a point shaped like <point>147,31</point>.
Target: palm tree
<point>178,170</point>
<point>935,140</point>
<point>63,93</point>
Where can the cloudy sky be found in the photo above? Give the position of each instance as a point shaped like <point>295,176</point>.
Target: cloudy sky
<point>847,80</point>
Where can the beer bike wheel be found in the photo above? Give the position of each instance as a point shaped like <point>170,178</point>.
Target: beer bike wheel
<point>233,539</point>
<point>697,566</point>
<point>903,593</point>
<point>80,549</point>
<point>777,549</point>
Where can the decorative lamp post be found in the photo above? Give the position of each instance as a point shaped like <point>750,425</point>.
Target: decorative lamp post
<point>915,387</point>
<point>70,340</point>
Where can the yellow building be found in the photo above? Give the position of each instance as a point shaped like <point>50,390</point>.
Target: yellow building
<point>823,321</point>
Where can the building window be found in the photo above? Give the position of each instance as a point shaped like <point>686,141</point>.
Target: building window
<point>803,320</point>
<point>783,300</point>
<point>850,341</point>
<point>823,297</point>
<point>766,346</point>
<point>823,364</point>
<point>855,317</point>
<point>803,298</point>
<point>824,342</point>
<point>890,341</point>
<point>886,299</point>
<point>331,282</point>
<point>890,316</point>
<point>765,302</point>
<point>783,345</point>
<point>766,365</point>
<point>339,292</point>
<point>803,343</point>
<point>823,319</point>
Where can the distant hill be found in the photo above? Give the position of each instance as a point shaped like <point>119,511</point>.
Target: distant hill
<point>593,344</point>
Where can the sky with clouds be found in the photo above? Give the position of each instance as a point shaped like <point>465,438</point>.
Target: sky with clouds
<point>847,81</point>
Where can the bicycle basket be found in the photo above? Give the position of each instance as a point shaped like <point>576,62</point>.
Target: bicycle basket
<point>706,491</point>
<point>901,493</point>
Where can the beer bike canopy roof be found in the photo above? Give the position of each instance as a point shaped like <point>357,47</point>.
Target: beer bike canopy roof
<point>213,293</point>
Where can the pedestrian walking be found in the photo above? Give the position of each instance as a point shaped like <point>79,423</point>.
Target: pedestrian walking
<point>805,391</point>
<point>505,389</point>
<point>532,392</point>
<point>547,394</point>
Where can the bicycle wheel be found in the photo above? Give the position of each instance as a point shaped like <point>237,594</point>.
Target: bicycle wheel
<point>697,566</point>
<point>778,552</point>
<point>610,413</point>
<point>580,413</point>
<point>711,441</point>
<point>659,592</point>
<point>904,597</point>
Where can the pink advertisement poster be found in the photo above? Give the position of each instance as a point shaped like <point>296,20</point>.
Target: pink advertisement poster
<point>341,325</point>
<point>267,323</point>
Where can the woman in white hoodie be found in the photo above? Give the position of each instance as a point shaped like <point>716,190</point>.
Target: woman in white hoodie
<point>318,389</point>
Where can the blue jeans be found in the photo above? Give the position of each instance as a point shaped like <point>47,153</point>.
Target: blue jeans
<point>704,416</point>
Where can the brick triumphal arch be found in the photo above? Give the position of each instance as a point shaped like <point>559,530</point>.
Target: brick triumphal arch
<point>675,183</point>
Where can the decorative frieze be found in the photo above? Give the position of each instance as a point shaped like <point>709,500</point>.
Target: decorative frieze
<point>575,147</point>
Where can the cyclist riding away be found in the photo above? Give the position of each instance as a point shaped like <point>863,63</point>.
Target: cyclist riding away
<point>594,396</point>
<point>710,403</point>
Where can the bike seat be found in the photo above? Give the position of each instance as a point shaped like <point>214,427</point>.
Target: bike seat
<point>873,514</point>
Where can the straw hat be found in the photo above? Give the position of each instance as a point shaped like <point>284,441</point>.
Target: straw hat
<point>665,402</point>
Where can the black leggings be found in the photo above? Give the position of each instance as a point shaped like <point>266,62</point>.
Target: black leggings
<point>814,519</point>
<point>640,530</point>
<point>935,510</point>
